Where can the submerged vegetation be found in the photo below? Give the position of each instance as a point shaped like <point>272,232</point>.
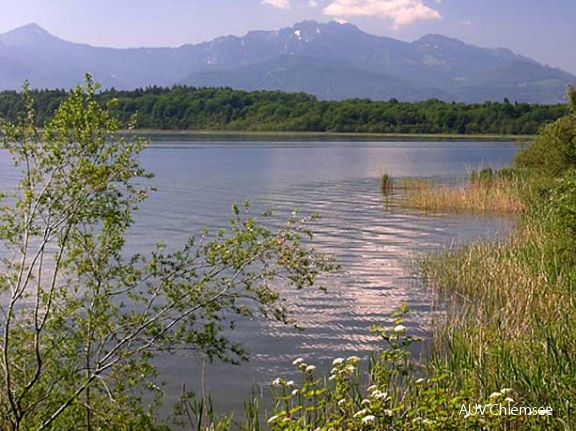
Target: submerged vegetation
<point>225,109</point>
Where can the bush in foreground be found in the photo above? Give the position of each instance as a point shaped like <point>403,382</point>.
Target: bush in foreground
<point>80,320</point>
<point>390,391</point>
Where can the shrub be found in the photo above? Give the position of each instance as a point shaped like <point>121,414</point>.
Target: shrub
<point>80,321</point>
<point>553,151</point>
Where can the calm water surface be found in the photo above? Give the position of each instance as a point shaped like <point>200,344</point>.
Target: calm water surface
<point>374,241</point>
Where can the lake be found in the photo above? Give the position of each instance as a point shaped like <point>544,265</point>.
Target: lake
<point>373,239</point>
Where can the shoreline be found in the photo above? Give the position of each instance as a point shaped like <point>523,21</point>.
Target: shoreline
<point>296,134</point>
<point>264,134</point>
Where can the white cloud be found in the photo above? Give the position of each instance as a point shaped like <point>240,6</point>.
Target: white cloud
<point>313,3</point>
<point>401,12</point>
<point>280,4</point>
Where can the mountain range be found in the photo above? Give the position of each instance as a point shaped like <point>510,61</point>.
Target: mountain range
<point>330,60</point>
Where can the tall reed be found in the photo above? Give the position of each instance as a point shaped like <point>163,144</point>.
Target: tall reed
<point>483,192</point>
<point>511,316</point>
<point>386,184</point>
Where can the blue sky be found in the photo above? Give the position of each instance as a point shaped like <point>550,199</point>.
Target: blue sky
<point>541,29</point>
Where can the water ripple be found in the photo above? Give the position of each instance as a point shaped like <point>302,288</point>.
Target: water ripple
<point>373,239</point>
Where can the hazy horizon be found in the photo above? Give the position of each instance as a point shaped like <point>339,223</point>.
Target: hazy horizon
<point>527,27</point>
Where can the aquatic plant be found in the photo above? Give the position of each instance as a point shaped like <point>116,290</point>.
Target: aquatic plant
<point>484,193</point>
<point>511,308</point>
<point>386,184</point>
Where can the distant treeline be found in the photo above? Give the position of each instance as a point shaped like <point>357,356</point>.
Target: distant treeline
<point>188,108</point>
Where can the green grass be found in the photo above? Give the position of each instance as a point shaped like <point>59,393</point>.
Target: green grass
<point>511,317</point>
<point>511,305</point>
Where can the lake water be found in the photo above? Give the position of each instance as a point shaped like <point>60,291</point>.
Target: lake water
<point>375,241</point>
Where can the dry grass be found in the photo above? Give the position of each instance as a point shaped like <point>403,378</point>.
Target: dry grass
<point>495,196</point>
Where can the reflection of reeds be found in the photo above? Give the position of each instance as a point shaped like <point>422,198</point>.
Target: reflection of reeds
<point>482,193</point>
<point>386,184</point>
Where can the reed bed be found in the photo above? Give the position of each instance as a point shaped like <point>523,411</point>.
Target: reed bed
<point>510,305</point>
<point>496,196</point>
<point>511,317</point>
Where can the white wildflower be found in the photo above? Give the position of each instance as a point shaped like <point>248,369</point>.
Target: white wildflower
<point>505,390</point>
<point>509,400</point>
<point>419,381</point>
<point>337,361</point>
<point>277,382</point>
<point>368,419</point>
<point>353,359</point>
<point>399,328</point>
<point>350,368</point>
<point>380,396</point>
<point>365,402</point>
<point>361,413</point>
<point>297,361</point>
<point>495,395</point>
<point>310,368</point>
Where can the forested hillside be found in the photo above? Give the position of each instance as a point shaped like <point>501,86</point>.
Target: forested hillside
<point>225,109</point>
